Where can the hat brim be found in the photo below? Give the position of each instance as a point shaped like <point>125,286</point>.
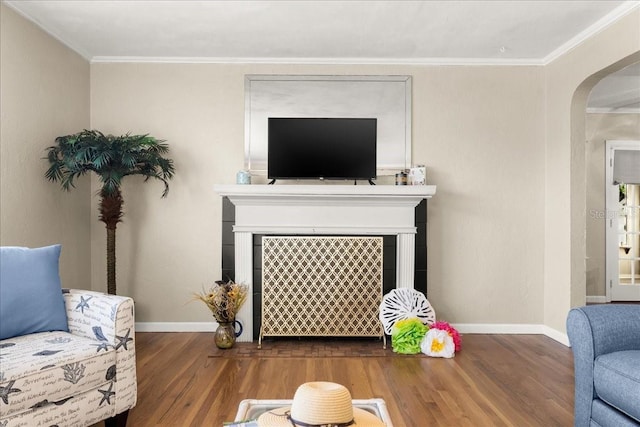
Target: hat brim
<point>277,417</point>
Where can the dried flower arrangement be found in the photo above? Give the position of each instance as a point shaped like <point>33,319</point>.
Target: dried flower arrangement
<point>224,299</point>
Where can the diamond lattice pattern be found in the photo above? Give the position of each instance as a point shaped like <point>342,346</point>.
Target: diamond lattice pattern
<point>321,286</point>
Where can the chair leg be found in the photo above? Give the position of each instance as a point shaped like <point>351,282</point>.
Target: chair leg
<point>120,420</point>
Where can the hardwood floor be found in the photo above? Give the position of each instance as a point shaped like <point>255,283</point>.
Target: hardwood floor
<point>496,380</point>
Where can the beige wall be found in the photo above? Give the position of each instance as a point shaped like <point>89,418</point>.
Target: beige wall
<point>600,128</point>
<point>569,79</point>
<point>479,130</point>
<point>45,93</point>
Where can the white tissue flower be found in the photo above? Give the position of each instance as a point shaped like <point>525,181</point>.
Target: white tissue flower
<point>438,343</point>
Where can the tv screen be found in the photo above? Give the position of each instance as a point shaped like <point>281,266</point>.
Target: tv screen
<point>326,148</point>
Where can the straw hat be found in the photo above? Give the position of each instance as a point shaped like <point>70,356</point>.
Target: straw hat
<point>320,404</point>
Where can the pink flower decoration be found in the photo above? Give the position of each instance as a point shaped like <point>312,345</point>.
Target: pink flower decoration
<point>445,326</point>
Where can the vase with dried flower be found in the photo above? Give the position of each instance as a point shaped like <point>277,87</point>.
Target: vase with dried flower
<point>224,299</point>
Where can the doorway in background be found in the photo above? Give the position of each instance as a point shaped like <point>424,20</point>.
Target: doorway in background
<point>622,220</point>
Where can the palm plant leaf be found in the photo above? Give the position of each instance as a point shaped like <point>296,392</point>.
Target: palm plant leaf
<point>111,157</point>
<point>100,160</point>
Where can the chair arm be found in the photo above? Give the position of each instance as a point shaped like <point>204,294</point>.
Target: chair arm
<point>604,328</point>
<point>595,330</point>
<point>110,321</point>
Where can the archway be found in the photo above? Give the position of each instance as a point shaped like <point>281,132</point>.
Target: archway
<point>578,177</point>
<point>613,114</point>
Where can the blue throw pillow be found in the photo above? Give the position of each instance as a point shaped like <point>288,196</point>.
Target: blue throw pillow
<point>30,291</point>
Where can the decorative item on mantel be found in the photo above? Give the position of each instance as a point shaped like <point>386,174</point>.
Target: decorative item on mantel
<point>243,177</point>
<point>417,175</point>
<point>224,299</point>
<point>401,177</point>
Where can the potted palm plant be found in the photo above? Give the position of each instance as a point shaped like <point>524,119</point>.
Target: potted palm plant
<point>112,158</point>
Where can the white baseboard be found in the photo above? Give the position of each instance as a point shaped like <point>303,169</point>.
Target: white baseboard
<point>463,328</point>
<point>516,328</point>
<point>497,328</point>
<point>596,299</point>
<point>561,337</point>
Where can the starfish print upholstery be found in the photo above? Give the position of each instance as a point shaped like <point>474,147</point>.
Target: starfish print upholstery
<point>6,390</point>
<point>122,341</point>
<point>106,395</point>
<point>84,303</point>
<point>102,346</point>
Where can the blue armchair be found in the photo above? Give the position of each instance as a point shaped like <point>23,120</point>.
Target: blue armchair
<point>605,340</point>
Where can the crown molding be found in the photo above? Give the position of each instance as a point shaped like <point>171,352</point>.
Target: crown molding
<point>319,61</point>
<point>603,23</point>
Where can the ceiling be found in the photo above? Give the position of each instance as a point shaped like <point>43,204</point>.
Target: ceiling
<point>618,92</point>
<point>515,32</point>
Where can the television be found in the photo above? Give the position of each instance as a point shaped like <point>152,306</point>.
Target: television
<point>321,148</point>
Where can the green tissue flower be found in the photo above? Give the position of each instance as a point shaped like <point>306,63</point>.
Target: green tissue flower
<point>407,334</point>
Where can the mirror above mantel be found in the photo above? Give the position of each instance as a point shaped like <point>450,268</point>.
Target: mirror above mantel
<point>387,98</point>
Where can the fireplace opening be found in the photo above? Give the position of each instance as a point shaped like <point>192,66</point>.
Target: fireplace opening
<point>321,286</point>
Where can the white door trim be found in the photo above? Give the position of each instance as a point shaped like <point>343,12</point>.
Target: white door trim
<point>611,209</point>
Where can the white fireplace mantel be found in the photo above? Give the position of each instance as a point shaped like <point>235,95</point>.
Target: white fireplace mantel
<point>326,210</point>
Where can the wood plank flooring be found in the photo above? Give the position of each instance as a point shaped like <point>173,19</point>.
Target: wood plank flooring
<point>496,380</point>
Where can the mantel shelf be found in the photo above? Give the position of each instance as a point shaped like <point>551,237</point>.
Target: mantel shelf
<point>324,191</point>
<point>368,209</point>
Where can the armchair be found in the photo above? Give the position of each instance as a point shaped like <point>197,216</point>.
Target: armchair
<point>74,378</point>
<point>605,340</point>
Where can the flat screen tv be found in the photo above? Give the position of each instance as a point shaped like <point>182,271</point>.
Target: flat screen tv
<point>324,148</point>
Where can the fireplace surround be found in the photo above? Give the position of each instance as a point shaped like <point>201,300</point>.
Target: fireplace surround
<point>330,210</point>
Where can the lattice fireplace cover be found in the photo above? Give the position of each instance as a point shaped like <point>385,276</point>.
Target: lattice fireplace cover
<point>321,286</point>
